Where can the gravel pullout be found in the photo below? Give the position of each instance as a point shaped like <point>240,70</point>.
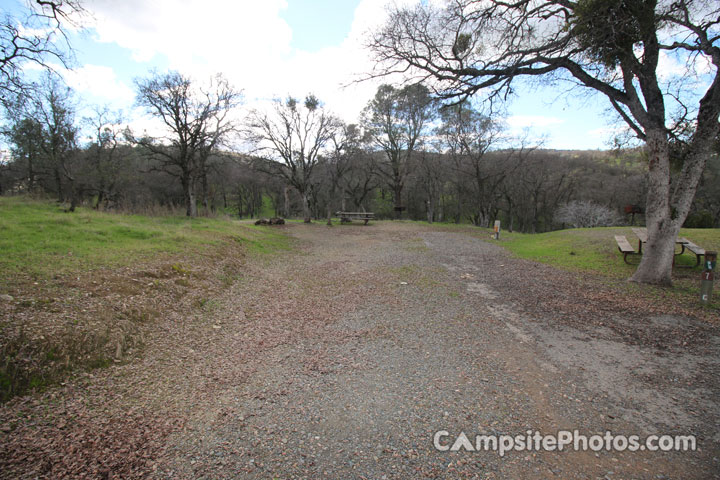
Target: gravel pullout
<point>429,332</point>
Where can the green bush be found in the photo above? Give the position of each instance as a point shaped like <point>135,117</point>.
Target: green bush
<point>702,219</point>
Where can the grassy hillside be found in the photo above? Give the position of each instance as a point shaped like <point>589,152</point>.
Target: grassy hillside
<point>40,240</point>
<point>80,290</point>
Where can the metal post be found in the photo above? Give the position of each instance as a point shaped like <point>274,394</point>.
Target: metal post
<point>496,229</point>
<point>706,285</point>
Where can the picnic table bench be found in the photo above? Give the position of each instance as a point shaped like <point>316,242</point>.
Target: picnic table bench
<point>624,247</point>
<point>346,217</point>
<point>698,251</point>
<point>627,249</point>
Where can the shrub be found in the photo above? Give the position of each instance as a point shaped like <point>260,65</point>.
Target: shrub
<point>702,219</point>
<point>581,214</point>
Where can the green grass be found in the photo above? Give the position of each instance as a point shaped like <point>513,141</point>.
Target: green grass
<point>39,239</point>
<point>267,210</point>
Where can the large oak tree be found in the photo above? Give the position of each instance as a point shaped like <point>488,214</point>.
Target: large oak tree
<point>293,137</point>
<point>196,119</point>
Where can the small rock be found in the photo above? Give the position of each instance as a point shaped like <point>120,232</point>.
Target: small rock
<point>6,298</point>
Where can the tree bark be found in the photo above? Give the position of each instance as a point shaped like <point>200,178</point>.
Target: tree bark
<point>656,263</point>
<point>286,193</point>
<point>430,210</point>
<point>58,182</point>
<point>205,193</point>
<point>306,207</point>
<point>101,197</point>
<point>397,200</point>
<point>329,206</point>
<point>189,193</point>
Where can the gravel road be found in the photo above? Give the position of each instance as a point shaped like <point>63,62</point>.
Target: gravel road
<point>412,331</point>
<point>344,358</point>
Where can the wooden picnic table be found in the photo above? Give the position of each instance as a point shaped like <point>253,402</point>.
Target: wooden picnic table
<point>348,216</point>
<point>641,233</point>
<point>684,243</point>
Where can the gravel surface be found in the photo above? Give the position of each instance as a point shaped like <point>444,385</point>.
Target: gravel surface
<point>343,360</point>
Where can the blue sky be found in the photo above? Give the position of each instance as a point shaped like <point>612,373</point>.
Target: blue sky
<point>274,48</point>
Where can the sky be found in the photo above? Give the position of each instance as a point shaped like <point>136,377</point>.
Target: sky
<point>275,48</point>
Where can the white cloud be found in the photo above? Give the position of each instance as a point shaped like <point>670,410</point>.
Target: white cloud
<point>669,67</point>
<point>248,42</point>
<point>532,121</point>
<point>99,81</point>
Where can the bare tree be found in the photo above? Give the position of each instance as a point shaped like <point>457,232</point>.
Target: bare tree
<point>197,119</point>
<point>346,144</point>
<point>397,119</point>
<point>610,46</point>
<point>360,180</point>
<point>39,37</point>
<point>294,136</point>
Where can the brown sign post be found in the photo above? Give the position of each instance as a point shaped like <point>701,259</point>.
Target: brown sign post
<point>706,285</point>
<point>496,229</point>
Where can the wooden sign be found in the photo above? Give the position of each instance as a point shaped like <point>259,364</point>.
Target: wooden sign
<point>708,275</point>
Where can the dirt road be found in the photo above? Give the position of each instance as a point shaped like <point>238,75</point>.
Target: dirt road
<point>345,359</point>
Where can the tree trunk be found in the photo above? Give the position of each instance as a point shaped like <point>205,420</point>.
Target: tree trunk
<point>101,197</point>
<point>665,211</point>
<point>58,182</point>
<point>397,200</point>
<point>510,216</point>
<point>329,204</point>
<point>286,193</point>
<point>205,193</point>
<point>240,204</point>
<point>329,214</point>
<point>189,193</point>
<point>73,195</point>
<point>31,175</point>
<point>656,263</point>
<point>73,201</point>
<point>306,207</point>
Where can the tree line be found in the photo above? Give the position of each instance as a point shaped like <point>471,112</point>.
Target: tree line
<point>408,156</point>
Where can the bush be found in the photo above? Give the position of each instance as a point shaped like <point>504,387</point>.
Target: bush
<point>702,219</point>
<point>579,214</point>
